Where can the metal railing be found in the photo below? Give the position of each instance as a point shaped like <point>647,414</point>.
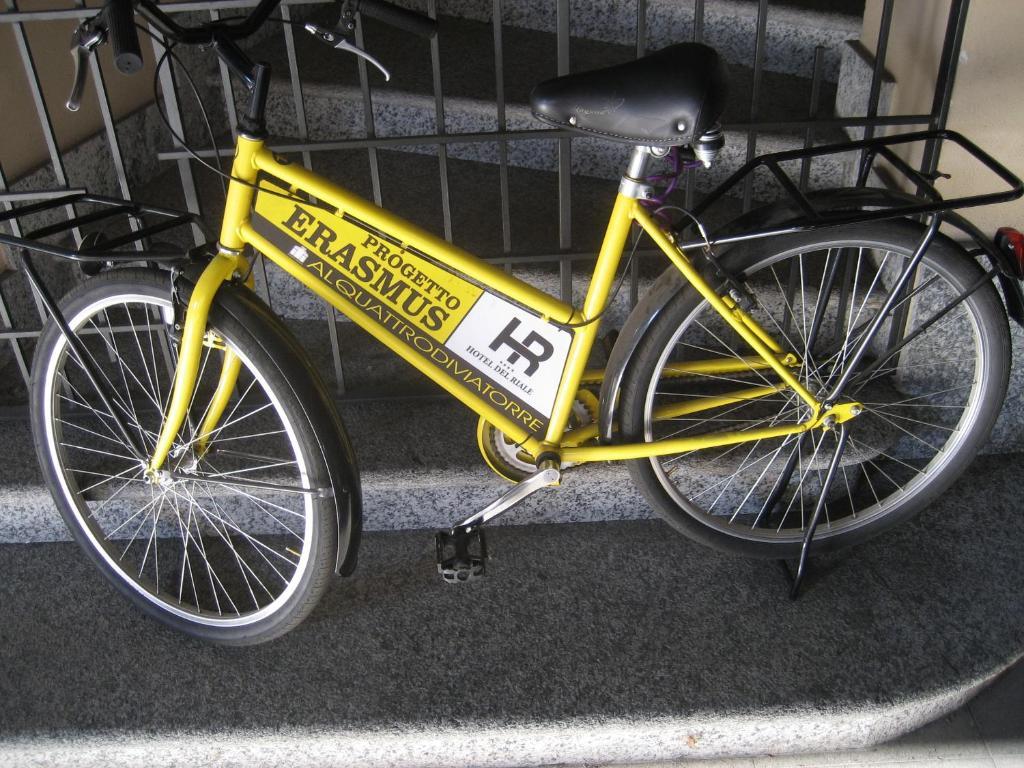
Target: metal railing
<point>16,335</point>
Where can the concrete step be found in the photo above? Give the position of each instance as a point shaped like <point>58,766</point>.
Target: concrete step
<point>419,463</point>
<point>425,472</point>
<point>587,644</point>
<point>529,56</point>
<point>793,27</point>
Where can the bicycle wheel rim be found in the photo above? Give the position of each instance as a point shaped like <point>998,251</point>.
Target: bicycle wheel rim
<point>708,504</point>
<point>85,517</point>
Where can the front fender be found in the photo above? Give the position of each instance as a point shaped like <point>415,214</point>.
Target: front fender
<point>671,281</point>
<point>335,445</point>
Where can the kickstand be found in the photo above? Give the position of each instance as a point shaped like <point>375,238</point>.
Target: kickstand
<point>796,579</point>
<point>798,576</point>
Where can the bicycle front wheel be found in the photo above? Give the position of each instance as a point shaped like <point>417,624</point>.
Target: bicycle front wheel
<point>932,384</point>
<point>227,546</point>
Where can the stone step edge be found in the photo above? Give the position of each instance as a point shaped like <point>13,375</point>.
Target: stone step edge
<point>433,499</point>
<point>592,156</point>
<point>721,19</point>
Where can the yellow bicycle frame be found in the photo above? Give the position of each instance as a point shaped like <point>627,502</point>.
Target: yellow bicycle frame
<point>237,231</point>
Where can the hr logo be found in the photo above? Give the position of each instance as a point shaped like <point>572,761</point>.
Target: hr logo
<point>524,348</point>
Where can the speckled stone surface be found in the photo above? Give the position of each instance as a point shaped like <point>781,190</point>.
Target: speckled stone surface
<point>432,481</point>
<point>853,96</point>
<point>729,25</point>
<point>587,644</point>
<point>334,113</point>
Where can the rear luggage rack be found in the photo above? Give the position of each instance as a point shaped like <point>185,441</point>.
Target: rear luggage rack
<point>807,215</point>
<point>133,225</point>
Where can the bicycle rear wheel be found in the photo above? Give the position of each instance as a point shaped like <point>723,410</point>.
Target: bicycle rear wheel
<point>229,549</point>
<point>932,384</point>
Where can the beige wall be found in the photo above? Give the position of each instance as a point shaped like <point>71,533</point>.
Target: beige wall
<point>23,147</point>
<point>986,107</point>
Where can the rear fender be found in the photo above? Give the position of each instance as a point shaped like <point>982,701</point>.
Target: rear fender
<point>671,281</point>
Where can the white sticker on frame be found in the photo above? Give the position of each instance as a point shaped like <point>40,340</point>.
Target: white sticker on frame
<point>524,354</point>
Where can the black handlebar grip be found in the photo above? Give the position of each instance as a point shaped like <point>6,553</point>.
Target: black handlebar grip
<point>410,21</point>
<point>123,36</point>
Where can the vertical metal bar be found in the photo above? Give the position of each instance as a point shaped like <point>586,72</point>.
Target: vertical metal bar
<point>805,164</point>
<point>564,164</point>
<point>302,125</point>
<point>946,79</point>
<point>368,121</point>
<point>698,37</point>
<point>16,231</point>
<point>225,83</point>
<point>332,331</point>
<point>442,149</point>
<point>755,95</point>
<point>56,160</point>
<point>641,49</point>
<point>844,294</point>
<point>112,141</point>
<point>173,110</point>
<point>499,97</point>
<point>8,324</point>
<point>641,27</point>
<point>876,75</point>
<point>296,82</point>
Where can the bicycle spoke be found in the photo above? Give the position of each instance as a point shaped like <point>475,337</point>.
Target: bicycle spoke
<point>820,303</point>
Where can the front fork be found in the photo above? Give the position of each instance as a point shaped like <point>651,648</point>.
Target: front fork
<point>194,337</point>
<point>228,262</point>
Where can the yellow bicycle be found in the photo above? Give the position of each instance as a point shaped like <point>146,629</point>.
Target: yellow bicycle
<point>814,373</point>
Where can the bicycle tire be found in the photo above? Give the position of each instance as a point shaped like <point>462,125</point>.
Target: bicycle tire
<point>739,499</point>
<point>240,564</point>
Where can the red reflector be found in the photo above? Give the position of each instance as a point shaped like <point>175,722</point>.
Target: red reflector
<point>1011,242</point>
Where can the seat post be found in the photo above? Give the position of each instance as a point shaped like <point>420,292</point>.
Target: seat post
<point>633,183</point>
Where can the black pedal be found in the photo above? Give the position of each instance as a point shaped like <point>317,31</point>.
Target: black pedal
<point>461,555</point>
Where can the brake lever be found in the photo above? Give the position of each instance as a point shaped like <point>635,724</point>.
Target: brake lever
<point>338,42</point>
<point>84,40</point>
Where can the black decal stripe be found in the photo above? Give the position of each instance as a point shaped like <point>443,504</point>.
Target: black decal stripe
<point>539,419</point>
<point>371,229</point>
<point>271,232</point>
<point>284,243</point>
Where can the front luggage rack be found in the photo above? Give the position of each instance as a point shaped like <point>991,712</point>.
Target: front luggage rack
<point>131,226</point>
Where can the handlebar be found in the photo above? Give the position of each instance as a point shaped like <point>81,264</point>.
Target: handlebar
<point>394,16</point>
<point>235,29</point>
<point>123,36</point>
<point>116,22</point>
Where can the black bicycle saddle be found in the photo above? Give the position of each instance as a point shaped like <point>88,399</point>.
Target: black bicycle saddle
<point>668,97</point>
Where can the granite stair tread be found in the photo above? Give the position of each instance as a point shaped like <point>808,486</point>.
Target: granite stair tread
<point>419,464</point>
<point>529,56</point>
<point>406,105</point>
<point>687,653</point>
